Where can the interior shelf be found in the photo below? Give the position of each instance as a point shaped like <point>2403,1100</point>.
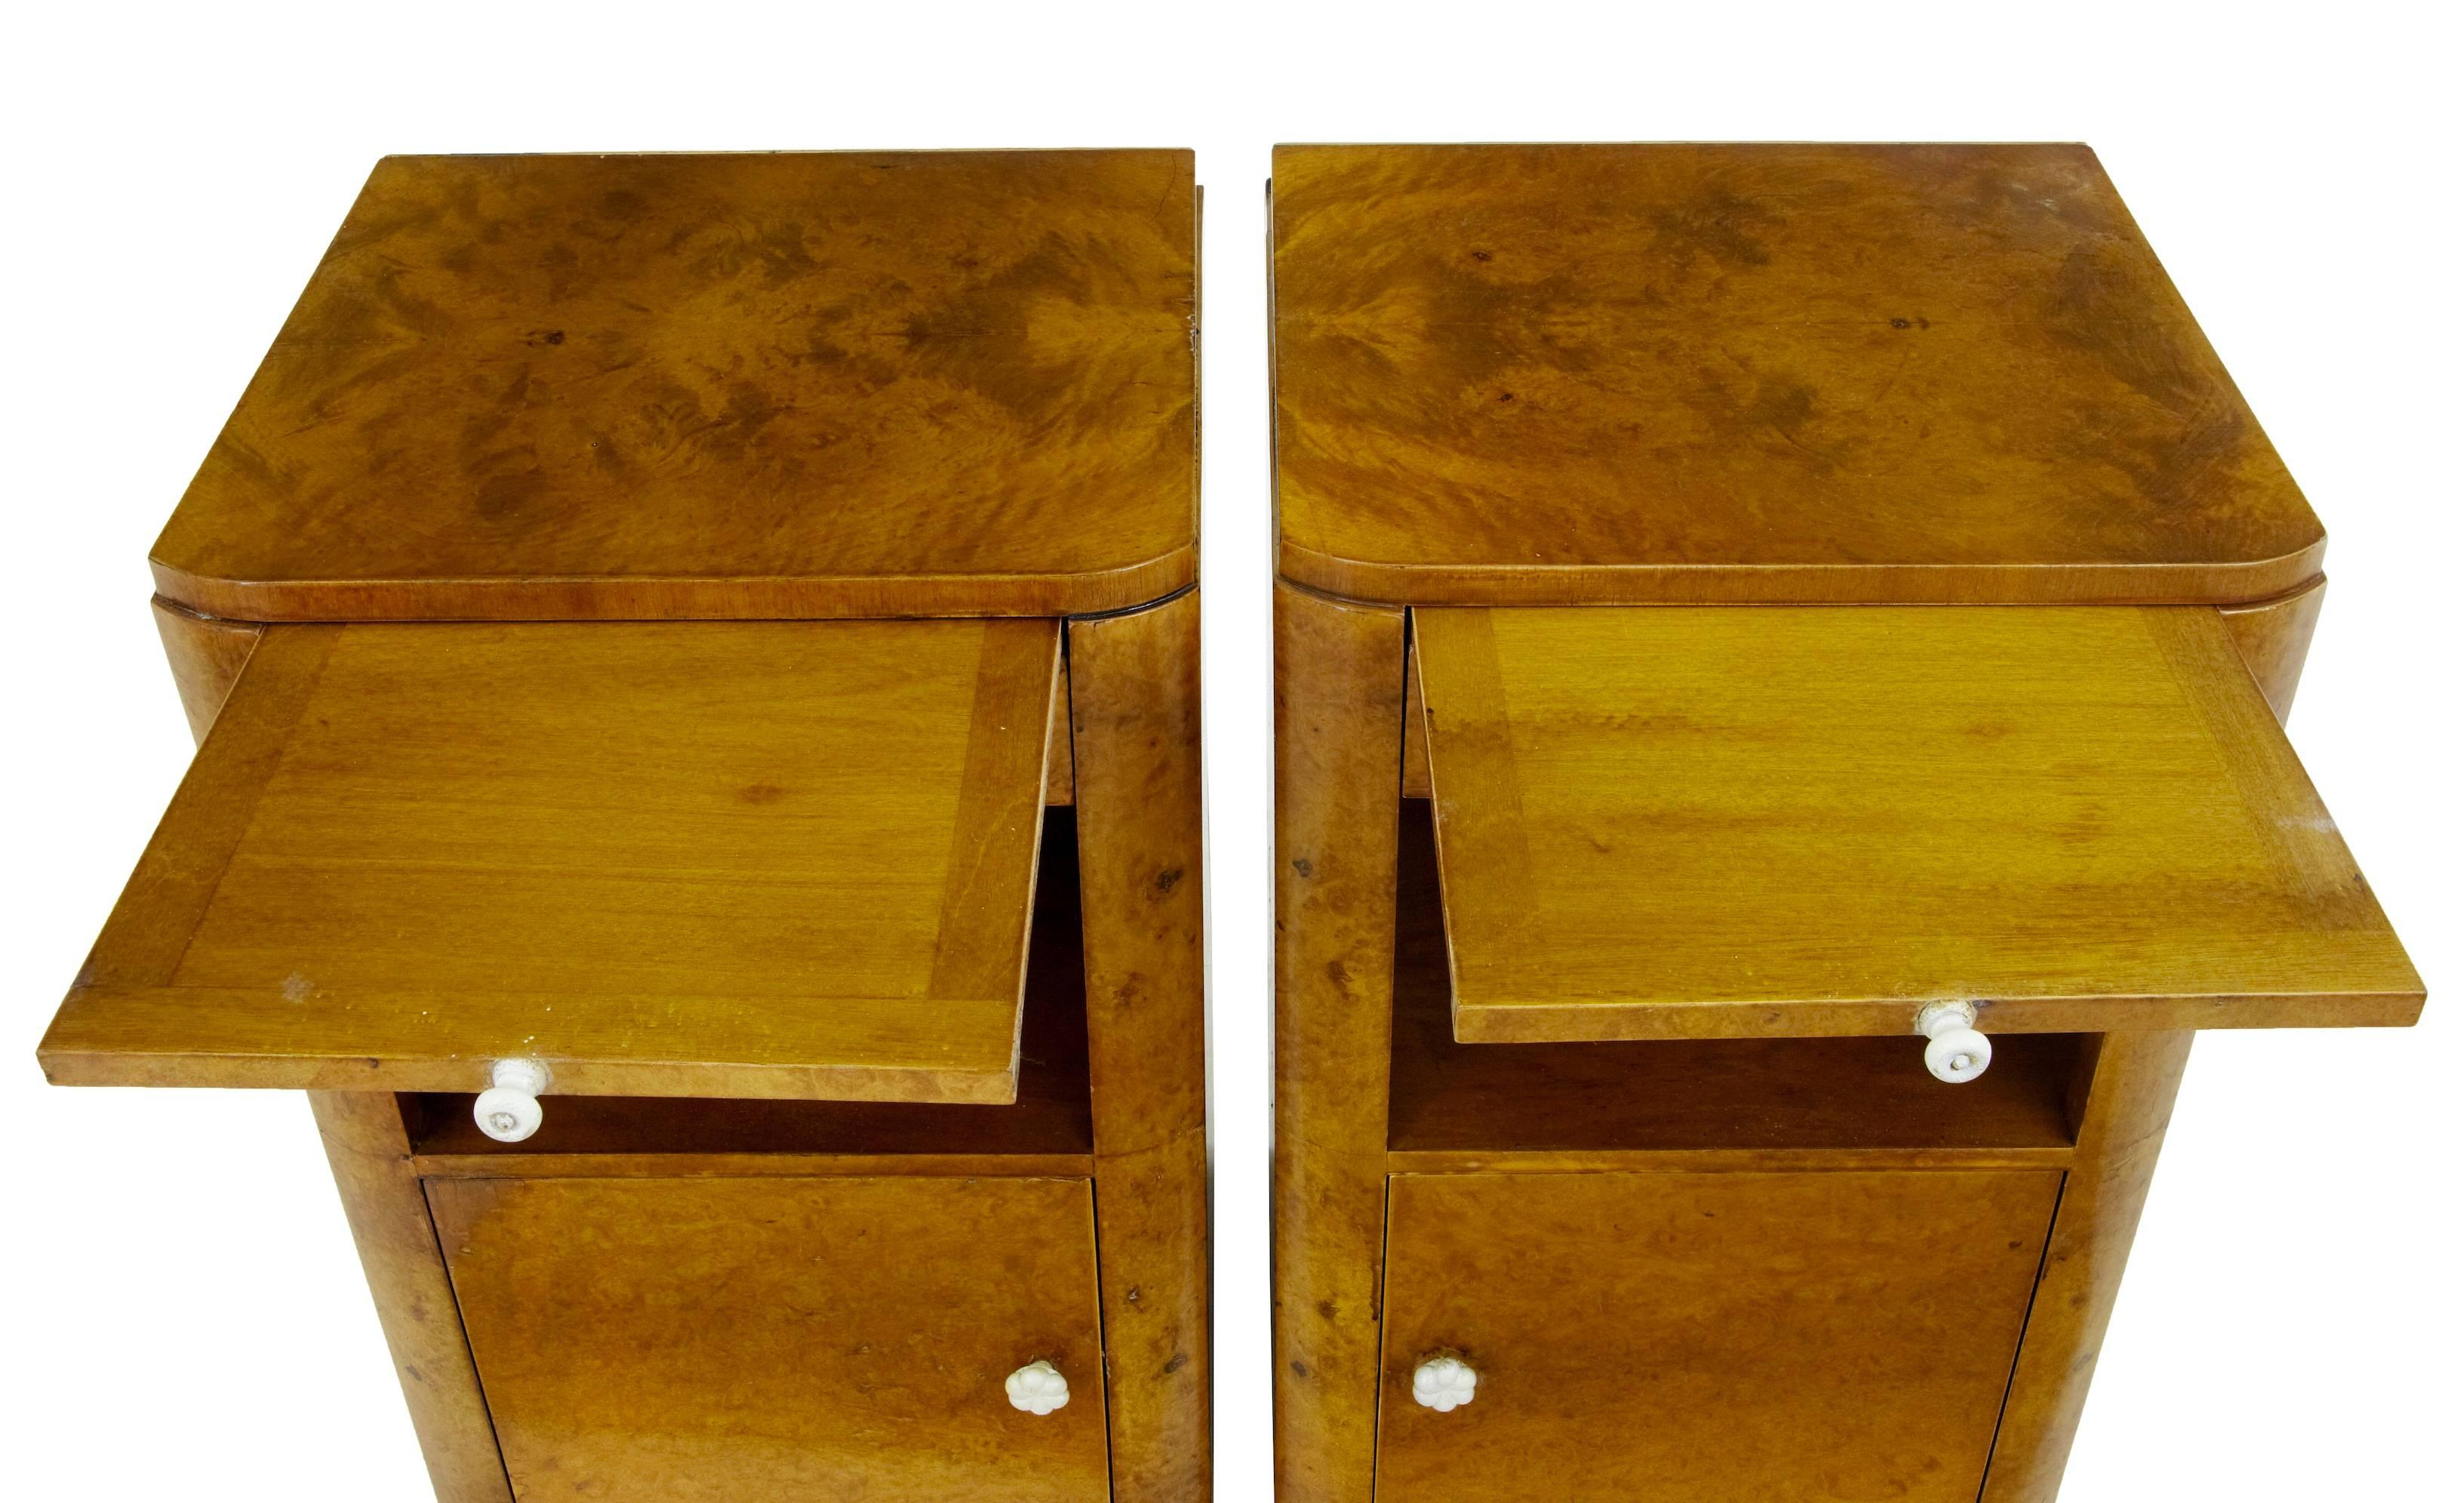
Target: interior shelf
<point>1051,1116</point>
<point>1789,1093</point>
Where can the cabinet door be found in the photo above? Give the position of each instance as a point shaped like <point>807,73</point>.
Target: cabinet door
<point>661,1340</point>
<point>1706,1337</point>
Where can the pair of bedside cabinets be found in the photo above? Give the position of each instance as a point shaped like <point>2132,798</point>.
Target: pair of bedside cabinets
<point>1780,655</point>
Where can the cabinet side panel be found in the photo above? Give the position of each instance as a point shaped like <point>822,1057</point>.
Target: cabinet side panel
<point>206,655</point>
<point>1133,689</point>
<point>389,1219</point>
<point>2121,1132</point>
<point>1338,769</point>
<point>2274,637</point>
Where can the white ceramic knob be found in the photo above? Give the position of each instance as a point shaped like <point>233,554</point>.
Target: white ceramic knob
<point>1038,1388</point>
<point>1954,1050</point>
<point>508,1109</point>
<point>1443,1383</point>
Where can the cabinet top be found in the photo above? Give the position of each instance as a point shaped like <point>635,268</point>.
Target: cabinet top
<point>721,386</point>
<point>1646,374</point>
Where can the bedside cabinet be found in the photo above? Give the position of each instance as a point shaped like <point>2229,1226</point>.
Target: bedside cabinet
<point>695,659</point>
<point>1779,661</point>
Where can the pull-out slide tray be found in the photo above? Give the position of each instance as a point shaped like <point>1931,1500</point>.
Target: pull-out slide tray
<point>759,859</point>
<point>1677,822</point>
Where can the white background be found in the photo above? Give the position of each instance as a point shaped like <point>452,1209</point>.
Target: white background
<point>183,1315</point>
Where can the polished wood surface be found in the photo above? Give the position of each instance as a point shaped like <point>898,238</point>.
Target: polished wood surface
<point>1141,826</point>
<point>1582,1106</point>
<point>2128,1104</point>
<point>767,384</point>
<point>1416,733</point>
<point>370,1153</point>
<point>1689,856</point>
<point>1536,374</point>
<point>1339,748</point>
<point>666,1340</point>
<point>1047,1130</point>
<point>1706,1338</point>
<point>1689,822</point>
<point>1060,767</point>
<point>2274,638</point>
<point>756,860</point>
<point>206,656</point>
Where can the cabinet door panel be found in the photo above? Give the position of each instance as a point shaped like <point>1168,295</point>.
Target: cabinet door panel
<point>1706,1337</point>
<point>657,1340</point>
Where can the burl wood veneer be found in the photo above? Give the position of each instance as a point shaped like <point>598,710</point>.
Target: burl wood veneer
<point>719,632</point>
<point>1734,599</point>
<point>1562,374</point>
<point>791,384</point>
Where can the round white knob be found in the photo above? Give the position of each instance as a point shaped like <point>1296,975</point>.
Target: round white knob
<point>1038,1388</point>
<point>1444,1382</point>
<point>1954,1050</point>
<point>508,1109</point>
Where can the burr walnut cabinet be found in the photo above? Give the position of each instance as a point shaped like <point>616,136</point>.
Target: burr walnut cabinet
<point>1779,661</point>
<point>695,663</point>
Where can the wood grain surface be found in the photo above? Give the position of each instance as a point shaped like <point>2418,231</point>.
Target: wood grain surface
<point>674,1340</point>
<point>1141,829</point>
<point>1570,374</point>
<point>767,384</point>
<point>1706,1339</point>
<point>1689,822</point>
<point>2274,638</point>
<point>366,1144</point>
<point>206,656</point>
<point>1338,752</point>
<point>1046,1130</point>
<point>1580,1106</point>
<point>2127,1107</point>
<point>761,860</point>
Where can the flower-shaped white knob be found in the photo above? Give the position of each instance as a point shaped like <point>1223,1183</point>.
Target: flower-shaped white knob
<point>1038,1388</point>
<point>508,1109</point>
<point>1954,1050</point>
<point>1444,1382</point>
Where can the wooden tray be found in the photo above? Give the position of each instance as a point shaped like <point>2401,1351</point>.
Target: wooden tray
<point>786,860</point>
<point>1691,822</point>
